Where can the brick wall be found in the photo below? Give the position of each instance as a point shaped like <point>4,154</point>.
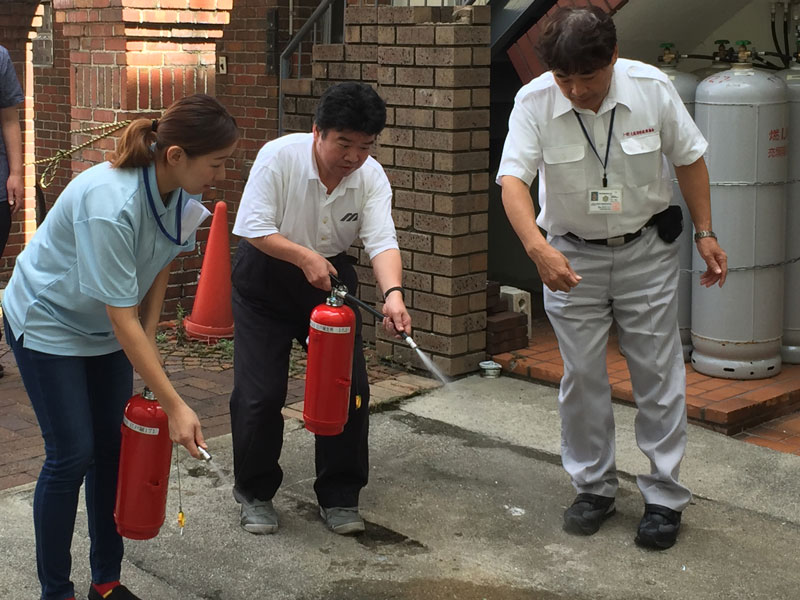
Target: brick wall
<point>251,44</point>
<point>51,97</point>
<point>432,68</point>
<point>249,89</point>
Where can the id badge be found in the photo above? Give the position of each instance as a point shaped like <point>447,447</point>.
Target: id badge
<point>605,201</point>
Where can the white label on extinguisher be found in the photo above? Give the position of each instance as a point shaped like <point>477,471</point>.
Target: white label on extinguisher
<point>140,428</point>
<point>328,328</point>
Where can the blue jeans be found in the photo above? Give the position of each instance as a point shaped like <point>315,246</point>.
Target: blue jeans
<point>78,401</point>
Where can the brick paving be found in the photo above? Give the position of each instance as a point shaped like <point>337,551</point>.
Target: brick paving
<point>20,440</point>
<point>761,411</point>
<point>781,434</point>
<point>202,376</point>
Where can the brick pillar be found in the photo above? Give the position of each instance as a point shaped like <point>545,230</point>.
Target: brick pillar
<point>134,60</point>
<point>131,59</point>
<point>17,23</point>
<point>434,74</point>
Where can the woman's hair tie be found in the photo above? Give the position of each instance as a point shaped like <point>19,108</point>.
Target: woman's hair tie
<point>155,124</point>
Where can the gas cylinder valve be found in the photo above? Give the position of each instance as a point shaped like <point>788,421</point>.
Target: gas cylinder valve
<point>668,55</point>
<point>744,54</point>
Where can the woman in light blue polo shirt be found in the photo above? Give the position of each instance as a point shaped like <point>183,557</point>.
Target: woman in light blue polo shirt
<point>81,310</point>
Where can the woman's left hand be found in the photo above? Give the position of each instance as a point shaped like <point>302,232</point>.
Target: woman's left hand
<point>184,428</point>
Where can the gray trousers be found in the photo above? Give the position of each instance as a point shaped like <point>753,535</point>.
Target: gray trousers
<point>636,286</point>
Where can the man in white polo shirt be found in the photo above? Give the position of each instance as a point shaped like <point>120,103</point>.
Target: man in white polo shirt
<point>308,197</point>
<point>597,130</point>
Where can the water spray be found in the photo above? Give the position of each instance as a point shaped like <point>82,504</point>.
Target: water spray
<point>212,464</point>
<point>339,290</point>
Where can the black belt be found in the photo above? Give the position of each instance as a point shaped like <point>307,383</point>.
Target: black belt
<point>613,242</point>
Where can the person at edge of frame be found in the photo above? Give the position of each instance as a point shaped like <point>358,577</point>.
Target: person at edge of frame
<point>597,128</point>
<point>308,197</point>
<point>81,312</point>
<point>12,187</point>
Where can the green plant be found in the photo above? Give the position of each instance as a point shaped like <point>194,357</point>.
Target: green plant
<point>161,337</point>
<point>180,331</point>
<point>226,349</point>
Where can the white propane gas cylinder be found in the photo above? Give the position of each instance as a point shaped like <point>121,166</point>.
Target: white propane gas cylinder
<point>713,68</point>
<point>736,330</point>
<point>686,86</point>
<point>790,345</point>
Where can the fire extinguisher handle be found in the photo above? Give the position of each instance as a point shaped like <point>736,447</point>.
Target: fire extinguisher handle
<point>350,298</point>
<point>204,453</point>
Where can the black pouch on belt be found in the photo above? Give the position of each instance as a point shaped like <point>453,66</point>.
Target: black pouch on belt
<point>669,223</point>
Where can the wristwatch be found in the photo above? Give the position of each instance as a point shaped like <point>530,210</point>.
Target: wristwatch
<point>704,234</point>
<point>398,288</point>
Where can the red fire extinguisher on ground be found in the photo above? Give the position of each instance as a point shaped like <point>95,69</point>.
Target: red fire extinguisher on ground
<point>144,464</point>
<point>331,335</point>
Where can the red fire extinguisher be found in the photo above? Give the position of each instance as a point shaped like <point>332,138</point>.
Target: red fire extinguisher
<point>144,465</point>
<point>329,366</point>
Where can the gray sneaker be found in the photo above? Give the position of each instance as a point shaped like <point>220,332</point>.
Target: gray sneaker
<point>342,520</point>
<point>257,516</point>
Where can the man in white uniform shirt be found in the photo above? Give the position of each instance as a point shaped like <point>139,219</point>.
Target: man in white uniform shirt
<point>308,197</point>
<point>597,130</point>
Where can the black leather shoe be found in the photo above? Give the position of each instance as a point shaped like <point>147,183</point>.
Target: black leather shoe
<point>587,513</point>
<point>659,527</point>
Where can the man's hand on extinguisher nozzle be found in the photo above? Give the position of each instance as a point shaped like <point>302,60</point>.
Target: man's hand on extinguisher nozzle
<point>396,319</point>
<point>184,429</point>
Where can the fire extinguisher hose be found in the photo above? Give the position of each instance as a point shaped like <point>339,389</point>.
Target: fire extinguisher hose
<point>374,312</point>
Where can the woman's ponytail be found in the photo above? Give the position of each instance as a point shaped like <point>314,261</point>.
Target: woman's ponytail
<point>133,149</point>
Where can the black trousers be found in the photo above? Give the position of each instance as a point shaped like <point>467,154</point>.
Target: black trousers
<point>272,303</point>
<point>5,225</point>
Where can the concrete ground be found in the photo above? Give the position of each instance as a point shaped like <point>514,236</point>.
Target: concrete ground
<point>465,502</point>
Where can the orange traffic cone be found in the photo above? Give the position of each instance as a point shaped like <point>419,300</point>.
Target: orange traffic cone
<point>212,314</point>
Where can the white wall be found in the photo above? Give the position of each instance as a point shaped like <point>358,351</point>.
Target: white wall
<point>693,25</point>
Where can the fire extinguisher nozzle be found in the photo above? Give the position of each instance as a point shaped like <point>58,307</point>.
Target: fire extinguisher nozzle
<point>407,339</point>
<point>204,453</point>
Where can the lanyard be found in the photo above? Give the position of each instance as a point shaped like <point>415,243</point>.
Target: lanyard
<point>591,144</point>
<point>174,240</point>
